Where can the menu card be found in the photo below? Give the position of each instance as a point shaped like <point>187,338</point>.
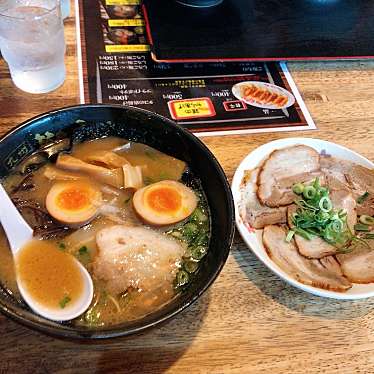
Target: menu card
<point>116,67</point>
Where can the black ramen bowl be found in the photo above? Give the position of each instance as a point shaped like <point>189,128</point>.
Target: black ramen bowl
<point>86,122</point>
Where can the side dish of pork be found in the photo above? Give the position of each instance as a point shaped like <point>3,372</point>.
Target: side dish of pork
<point>316,212</point>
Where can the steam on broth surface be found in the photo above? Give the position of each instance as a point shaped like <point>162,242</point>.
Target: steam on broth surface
<point>139,255</point>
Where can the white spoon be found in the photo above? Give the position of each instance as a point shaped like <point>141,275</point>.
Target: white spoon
<point>19,233</point>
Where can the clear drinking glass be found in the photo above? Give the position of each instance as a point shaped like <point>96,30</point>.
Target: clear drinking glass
<point>32,43</point>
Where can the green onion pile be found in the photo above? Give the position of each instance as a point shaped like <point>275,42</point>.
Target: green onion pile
<point>195,233</point>
<point>315,216</point>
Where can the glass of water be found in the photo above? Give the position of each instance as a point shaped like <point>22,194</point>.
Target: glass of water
<point>32,43</point>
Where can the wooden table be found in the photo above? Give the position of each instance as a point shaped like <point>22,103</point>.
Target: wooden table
<point>249,321</point>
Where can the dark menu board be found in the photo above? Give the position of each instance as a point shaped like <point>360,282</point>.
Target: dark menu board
<point>258,29</point>
<point>116,67</point>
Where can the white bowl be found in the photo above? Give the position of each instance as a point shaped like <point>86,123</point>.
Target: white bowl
<point>254,239</point>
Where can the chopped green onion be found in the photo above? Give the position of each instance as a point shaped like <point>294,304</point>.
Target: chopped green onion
<point>362,198</point>
<point>329,236</point>
<point>325,204</point>
<point>199,252</point>
<point>182,278</point>
<point>64,302</point>
<point>342,213</point>
<point>190,230</point>
<point>361,227</point>
<point>315,216</point>
<point>290,235</point>
<point>303,233</point>
<point>309,192</point>
<point>323,191</point>
<point>304,205</point>
<point>83,250</point>
<point>336,225</point>
<point>198,215</point>
<point>369,236</point>
<point>316,184</point>
<point>190,266</point>
<point>298,188</point>
<point>367,220</point>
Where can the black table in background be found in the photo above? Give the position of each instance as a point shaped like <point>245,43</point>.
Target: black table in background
<point>261,29</point>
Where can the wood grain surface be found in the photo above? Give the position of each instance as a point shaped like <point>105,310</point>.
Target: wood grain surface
<point>249,321</point>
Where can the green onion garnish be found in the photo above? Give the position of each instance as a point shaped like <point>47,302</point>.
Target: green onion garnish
<point>298,188</point>
<point>315,216</point>
<point>64,302</point>
<point>182,278</point>
<point>366,220</point>
<point>337,225</point>
<point>309,192</point>
<point>83,250</point>
<point>325,204</point>
<point>290,235</point>
<point>303,233</point>
<point>361,227</point>
<point>190,266</point>
<point>362,198</point>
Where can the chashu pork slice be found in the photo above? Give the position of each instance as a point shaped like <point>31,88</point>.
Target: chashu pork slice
<point>324,273</point>
<point>335,171</point>
<point>136,257</point>
<point>251,210</point>
<point>343,174</point>
<point>314,248</point>
<point>282,169</point>
<point>358,265</point>
<point>343,199</point>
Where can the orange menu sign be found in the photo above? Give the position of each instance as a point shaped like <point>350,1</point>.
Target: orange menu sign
<point>191,108</point>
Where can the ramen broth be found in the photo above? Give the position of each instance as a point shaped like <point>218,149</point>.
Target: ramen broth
<point>49,275</point>
<point>116,209</point>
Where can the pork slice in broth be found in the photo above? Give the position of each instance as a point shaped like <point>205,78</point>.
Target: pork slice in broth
<point>251,210</point>
<point>283,168</point>
<point>136,257</point>
<point>317,273</point>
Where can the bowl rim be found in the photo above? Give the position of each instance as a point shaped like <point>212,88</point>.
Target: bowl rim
<point>251,240</point>
<point>112,332</point>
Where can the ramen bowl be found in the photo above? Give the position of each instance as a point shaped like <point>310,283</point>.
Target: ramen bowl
<point>88,122</point>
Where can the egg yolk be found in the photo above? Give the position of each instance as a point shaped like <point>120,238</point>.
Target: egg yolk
<point>164,200</point>
<point>73,198</point>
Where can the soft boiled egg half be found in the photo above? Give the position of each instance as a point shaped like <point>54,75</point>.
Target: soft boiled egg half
<point>164,203</point>
<point>73,203</point>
